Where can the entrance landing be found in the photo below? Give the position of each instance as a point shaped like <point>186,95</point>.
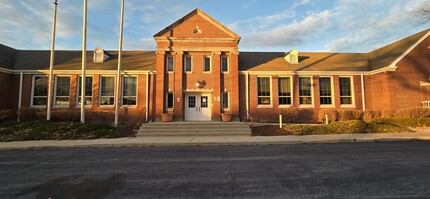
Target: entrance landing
<point>193,129</point>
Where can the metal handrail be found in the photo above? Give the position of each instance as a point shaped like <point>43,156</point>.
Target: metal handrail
<point>138,121</point>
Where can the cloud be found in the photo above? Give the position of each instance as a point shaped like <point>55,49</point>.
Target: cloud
<point>291,34</point>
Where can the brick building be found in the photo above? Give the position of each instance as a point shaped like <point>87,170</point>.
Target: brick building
<point>197,73</point>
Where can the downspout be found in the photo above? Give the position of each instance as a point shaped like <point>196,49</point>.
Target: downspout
<point>363,99</point>
<point>146,98</point>
<point>247,94</point>
<point>21,75</point>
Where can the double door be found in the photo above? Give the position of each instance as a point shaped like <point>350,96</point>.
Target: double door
<point>198,107</point>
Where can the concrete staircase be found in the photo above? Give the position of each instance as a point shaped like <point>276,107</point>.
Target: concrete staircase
<point>193,129</point>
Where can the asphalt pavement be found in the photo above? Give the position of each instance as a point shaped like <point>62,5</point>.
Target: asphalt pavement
<point>341,170</point>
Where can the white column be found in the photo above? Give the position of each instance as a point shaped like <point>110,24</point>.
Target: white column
<point>21,77</point>
<point>363,98</point>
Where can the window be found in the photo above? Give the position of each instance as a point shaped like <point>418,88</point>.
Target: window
<point>40,91</point>
<point>345,90</point>
<point>284,89</point>
<point>263,86</point>
<point>129,91</point>
<point>305,91</point>
<point>325,91</point>
<point>170,100</point>
<point>169,63</point>
<point>107,87</point>
<point>187,63</point>
<point>62,91</point>
<point>207,67</point>
<point>225,104</point>
<point>88,90</point>
<point>224,64</point>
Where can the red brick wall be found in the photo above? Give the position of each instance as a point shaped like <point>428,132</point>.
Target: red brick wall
<point>5,90</point>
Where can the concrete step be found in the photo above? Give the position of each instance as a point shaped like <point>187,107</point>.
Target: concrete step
<point>193,129</point>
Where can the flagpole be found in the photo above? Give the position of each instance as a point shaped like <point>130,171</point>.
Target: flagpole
<point>118,76</point>
<point>51,63</point>
<point>84,58</point>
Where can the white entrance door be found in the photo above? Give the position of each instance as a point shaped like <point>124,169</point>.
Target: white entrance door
<point>198,107</point>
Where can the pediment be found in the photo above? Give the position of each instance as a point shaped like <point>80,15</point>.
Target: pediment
<point>196,24</point>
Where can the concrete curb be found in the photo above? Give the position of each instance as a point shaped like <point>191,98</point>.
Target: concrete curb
<point>214,141</point>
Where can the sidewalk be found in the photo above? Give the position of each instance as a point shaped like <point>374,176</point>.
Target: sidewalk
<point>205,141</point>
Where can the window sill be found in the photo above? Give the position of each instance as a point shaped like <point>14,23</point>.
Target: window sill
<point>348,106</point>
<point>307,106</point>
<point>285,106</point>
<point>86,106</point>
<point>207,72</point>
<point>38,107</point>
<point>129,106</point>
<point>327,106</point>
<point>264,106</point>
<point>61,107</point>
<point>107,106</point>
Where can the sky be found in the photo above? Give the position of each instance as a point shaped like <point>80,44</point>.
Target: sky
<point>264,25</point>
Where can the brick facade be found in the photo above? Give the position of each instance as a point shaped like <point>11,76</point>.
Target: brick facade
<point>198,36</point>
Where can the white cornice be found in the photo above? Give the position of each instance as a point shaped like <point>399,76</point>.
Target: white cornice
<point>394,63</point>
<point>77,72</point>
<point>190,39</point>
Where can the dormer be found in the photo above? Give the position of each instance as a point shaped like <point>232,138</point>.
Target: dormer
<point>292,57</point>
<point>100,55</point>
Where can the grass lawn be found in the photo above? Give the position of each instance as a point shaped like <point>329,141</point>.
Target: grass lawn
<point>46,130</point>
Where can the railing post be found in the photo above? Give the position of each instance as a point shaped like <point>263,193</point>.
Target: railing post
<point>280,121</point>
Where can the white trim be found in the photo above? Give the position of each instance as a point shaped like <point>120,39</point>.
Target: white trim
<point>32,92</point>
<point>204,64</point>
<point>54,105</point>
<point>312,105</point>
<point>333,102</point>
<point>291,93</point>
<point>394,63</point>
<point>167,62</point>
<point>185,63</point>
<point>247,95</point>
<point>228,63</point>
<point>5,70</point>
<point>21,79</point>
<point>191,39</point>
<point>222,100</point>
<point>352,105</point>
<point>79,72</point>
<point>78,87</point>
<point>100,91</point>
<point>424,83</point>
<point>137,91</point>
<point>363,97</point>
<point>270,96</point>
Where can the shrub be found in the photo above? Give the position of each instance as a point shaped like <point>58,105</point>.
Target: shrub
<point>418,112</point>
<point>348,127</point>
<point>370,114</point>
<point>346,115</point>
<point>290,114</point>
<point>332,115</point>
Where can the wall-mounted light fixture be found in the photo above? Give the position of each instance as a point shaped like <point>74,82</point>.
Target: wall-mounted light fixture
<point>200,84</point>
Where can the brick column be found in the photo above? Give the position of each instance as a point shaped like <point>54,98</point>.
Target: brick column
<point>336,91</point>
<point>160,85</point>
<point>216,95</point>
<point>234,83</point>
<point>178,87</point>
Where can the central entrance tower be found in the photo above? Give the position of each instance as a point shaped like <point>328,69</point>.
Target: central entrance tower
<point>197,69</point>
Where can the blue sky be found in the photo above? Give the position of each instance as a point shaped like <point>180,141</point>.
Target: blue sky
<point>275,25</point>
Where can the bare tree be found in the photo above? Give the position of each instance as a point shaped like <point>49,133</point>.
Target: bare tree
<point>423,12</point>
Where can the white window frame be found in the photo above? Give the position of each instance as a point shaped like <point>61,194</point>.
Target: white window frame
<point>228,100</point>
<point>167,63</point>
<point>54,104</point>
<point>78,88</point>
<point>210,64</point>
<point>185,63</point>
<point>271,95</point>
<point>100,91</point>
<point>291,91</point>
<point>33,81</point>
<point>352,105</point>
<point>312,93</point>
<point>137,91</point>
<point>228,63</point>
<point>167,101</point>
<point>332,105</point>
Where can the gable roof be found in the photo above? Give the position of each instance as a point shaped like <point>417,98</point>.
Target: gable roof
<point>7,56</point>
<point>380,59</point>
<point>72,60</point>
<point>390,54</point>
<point>197,11</point>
